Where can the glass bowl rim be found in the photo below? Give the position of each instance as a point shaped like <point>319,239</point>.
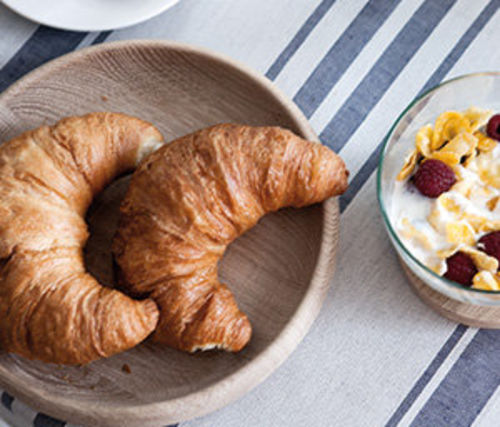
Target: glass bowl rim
<point>385,216</point>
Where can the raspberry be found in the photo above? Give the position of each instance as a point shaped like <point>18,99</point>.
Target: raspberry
<point>433,178</point>
<point>493,127</point>
<point>490,243</point>
<point>460,268</point>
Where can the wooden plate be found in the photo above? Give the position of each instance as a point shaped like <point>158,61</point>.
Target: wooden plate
<point>279,270</point>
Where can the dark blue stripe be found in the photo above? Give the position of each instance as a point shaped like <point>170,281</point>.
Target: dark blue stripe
<point>357,182</point>
<point>45,44</point>
<point>422,382</point>
<point>101,37</point>
<point>7,400</point>
<point>42,420</point>
<point>384,72</point>
<point>342,53</point>
<point>468,385</point>
<point>299,38</point>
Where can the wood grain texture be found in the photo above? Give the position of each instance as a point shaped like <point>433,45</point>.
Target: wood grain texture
<point>477,316</point>
<point>280,269</point>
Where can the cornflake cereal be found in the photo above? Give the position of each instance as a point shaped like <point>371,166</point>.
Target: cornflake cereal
<point>434,229</point>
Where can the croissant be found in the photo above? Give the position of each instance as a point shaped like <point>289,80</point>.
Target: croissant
<point>193,197</point>
<point>50,308</point>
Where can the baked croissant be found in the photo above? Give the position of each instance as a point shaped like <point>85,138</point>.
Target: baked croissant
<point>193,197</point>
<point>50,308</point>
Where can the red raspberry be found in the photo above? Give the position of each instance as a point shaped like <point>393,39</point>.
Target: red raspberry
<point>493,127</point>
<point>433,178</point>
<point>490,243</point>
<point>460,268</point>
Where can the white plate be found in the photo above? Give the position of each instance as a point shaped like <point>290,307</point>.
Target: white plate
<point>88,15</point>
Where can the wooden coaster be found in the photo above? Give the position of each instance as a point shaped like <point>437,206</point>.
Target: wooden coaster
<point>469,314</point>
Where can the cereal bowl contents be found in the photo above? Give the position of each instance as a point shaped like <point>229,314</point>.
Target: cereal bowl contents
<point>445,200</point>
<point>437,179</point>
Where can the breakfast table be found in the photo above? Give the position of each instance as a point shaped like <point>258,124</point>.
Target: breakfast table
<point>376,354</point>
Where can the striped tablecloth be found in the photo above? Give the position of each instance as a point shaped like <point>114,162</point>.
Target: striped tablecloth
<point>376,355</point>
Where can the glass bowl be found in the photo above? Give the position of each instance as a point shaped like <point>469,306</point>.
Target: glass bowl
<point>481,90</point>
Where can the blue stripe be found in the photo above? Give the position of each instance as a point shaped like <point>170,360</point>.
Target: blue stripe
<point>7,400</point>
<point>45,44</point>
<point>357,182</point>
<point>101,37</point>
<point>387,68</point>
<point>42,420</point>
<point>299,38</point>
<point>468,385</point>
<point>422,382</point>
<point>342,53</point>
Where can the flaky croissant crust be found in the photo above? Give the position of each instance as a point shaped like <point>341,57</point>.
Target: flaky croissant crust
<point>50,308</point>
<point>193,197</point>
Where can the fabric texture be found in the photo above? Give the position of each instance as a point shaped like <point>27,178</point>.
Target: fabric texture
<point>376,355</point>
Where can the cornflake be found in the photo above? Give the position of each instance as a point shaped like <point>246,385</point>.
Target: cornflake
<point>486,281</point>
<point>484,143</point>
<point>447,126</point>
<point>477,117</point>
<point>460,232</point>
<point>423,141</point>
<point>409,166</point>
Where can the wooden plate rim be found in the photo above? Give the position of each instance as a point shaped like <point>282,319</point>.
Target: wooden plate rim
<point>244,379</point>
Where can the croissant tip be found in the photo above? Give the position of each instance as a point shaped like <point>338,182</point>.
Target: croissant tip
<point>240,335</point>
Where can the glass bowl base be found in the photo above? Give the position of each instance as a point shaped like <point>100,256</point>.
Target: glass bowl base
<point>478,316</point>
